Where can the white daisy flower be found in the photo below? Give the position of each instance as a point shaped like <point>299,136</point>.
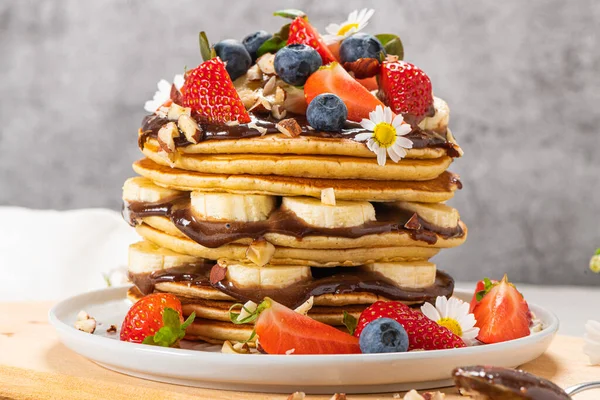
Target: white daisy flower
<point>163,94</point>
<point>454,315</point>
<point>356,21</point>
<point>387,134</point>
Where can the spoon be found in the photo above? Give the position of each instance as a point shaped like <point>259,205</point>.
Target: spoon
<point>510,384</point>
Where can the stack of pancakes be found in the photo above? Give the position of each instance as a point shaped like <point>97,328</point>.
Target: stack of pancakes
<point>244,211</point>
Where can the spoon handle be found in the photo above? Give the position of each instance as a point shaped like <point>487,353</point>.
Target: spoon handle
<point>571,390</point>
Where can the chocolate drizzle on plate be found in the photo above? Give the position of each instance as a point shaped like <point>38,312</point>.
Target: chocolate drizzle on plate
<point>213,234</point>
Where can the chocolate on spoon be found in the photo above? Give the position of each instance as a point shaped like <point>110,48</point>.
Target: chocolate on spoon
<point>506,384</point>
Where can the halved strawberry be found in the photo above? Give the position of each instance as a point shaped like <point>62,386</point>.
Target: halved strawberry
<point>303,33</point>
<point>423,333</point>
<point>482,287</point>
<point>405,88</point>
<point>333,78</point>
<point>156,319</point>
<point>369,83</point>
<point>208,90</point>
<point>281,330</point>
<point>502,314</point>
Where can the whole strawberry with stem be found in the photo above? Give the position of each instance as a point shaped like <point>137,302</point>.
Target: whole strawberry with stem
<point>423,333</point>
<point>405,88</point>
<point>209,91</point>
<point>157,320</point>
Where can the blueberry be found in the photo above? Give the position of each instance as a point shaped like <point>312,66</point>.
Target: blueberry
<point>327,112</point>
<point>236,57</point>
<point>360,45</point>
<point>383,335</point>
<point>254,40</point>
<point>296,62</point>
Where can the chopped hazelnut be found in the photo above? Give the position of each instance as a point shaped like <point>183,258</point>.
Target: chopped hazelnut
<point>289,127</point>
<point>176,111</point>
<point>190,128</point>
<point>266,63</point>
<point>248,97</point>
<point>328,196</point>
<point>86,325</point>
<point>338,396</point>
<point>262,106</point>
<point>262,130</point>
<point>270,86</point>
<point>305,307</point>
<point>280,95</point>
<point>260,252</point>
<point>112,329</point>
<point>254,73</point>
<point>166,134</point>
<point>238,348</point>
<point>278,112</point>
<point>297,396</point>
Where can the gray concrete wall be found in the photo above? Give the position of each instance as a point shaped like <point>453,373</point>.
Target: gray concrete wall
<point>521,78</point>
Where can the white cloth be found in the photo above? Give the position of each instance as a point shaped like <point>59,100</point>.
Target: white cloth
<point>49,255</point>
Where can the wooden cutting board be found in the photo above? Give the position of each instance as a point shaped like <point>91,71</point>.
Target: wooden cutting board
<point>35,365</point>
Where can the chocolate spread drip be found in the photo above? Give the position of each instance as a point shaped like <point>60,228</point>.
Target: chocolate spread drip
<point>214,234</point>
<point>339,280</point>
<point>151,124</point>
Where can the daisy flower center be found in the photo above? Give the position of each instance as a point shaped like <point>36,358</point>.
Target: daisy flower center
<point>346,28</point>
<point>384,134</point>
<point>452,325</point>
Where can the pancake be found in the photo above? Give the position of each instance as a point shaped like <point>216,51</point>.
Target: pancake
<point>281,144</point>
<point>436,190</point>
<point>219,310</point>
<point>290,256</point>
<point>329,167</point>
<point>391,239</point>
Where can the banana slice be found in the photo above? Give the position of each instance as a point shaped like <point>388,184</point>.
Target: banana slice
<point>441,118</point>
<point>144,190</point>
<point>270,277</point>
<point>343,214</point>
<point>147,257</point>
<point>435,213</point>
<point>413,275</point>
<point>232,207</point>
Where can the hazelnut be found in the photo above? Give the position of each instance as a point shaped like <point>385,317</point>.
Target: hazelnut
<point>328,196</point>
<point>338,396</point>
<point>238,348</point>
<point>266,63</point>
<point>262,106</point>
<point>262,130</point>
<point>260,252</point>
<point>296,396</point>
<point>270,86</point>
<point>176,111</point>
<point>305,307</point>
<point>278,112</point>
<point>86,325</point>
<point>289,127</point>
<point>254,73</point>
<point>248,97</point>
<point>166,134</point>
<point>190,128</point>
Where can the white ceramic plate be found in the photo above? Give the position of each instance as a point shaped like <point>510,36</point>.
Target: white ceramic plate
<point>208,368</point>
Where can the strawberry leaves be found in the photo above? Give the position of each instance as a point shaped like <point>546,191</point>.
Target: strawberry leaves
<point>350,322</point>
<point>172,330</point>
<point>488,285</point>
<point>392,44</point>
<point>290,13</point>
<point>275,43</point>
<point>206,50</point>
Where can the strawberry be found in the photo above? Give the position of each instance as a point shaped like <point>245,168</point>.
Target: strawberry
<point>502,314</point>
<point>482,287</point>
<point>209,91</point>
<point>302,32</point>
<point>281,330</point>
<point>405,88</point>
<point>423,333</point>
<point>333,78</point>
<point>155,319</point>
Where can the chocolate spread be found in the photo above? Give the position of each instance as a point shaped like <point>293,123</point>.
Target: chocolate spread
<point>213,234</point>
<point>339,280</point>
<point>151,124</point>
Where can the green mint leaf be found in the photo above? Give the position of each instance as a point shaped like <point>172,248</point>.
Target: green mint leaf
<point>392,44</point>
<point>291,13</point>
<point>350,322</point>
<point>597,253</point>
<point>277,42</point>
<point>206,50</point>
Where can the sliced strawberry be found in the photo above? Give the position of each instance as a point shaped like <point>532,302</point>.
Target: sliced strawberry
<point>155,319</point>
<point>333,78</point>
<point>302,32</point>
<point>423,333</point>
<point>502,314</point>
<point>369,83</point>
<point>208,90</point>
<point>482,287</point>
<point>405,88</point>
<point>281,330</point>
